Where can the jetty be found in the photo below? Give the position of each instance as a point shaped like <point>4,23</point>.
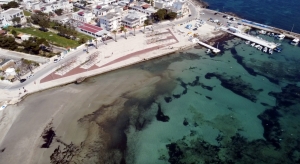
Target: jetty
<point>251,38</point>
<point>214,50</point>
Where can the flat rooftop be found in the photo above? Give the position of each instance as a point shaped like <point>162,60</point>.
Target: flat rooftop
<point>90,28</point>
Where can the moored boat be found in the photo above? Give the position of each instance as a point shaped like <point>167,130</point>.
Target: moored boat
<point>270,51</point>
<point>253,44</point>
<point>295,41</point>
<point>277,49</point>
<point>247,42</point>
<point>208,51</point>
<point>280,37</point>
<point>265,49</point>
<point>259,47</point>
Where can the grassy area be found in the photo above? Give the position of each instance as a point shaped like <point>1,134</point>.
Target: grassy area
<point>27,13</point>
<point>51,37</point>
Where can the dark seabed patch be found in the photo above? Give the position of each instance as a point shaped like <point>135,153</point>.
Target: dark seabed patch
<point>160,116</point>
<point>236,85</point>
<point>289,96</point>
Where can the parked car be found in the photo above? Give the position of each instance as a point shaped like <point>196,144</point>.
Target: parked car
<point>190,15</point>
<point>195,29</point>
<point>28,77</point>
<point>202,13</point>
<point>55,60</point>
<point>22,80</point>
<point>43,29</point>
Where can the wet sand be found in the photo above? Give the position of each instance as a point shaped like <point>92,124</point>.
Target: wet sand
<point>93,107</point>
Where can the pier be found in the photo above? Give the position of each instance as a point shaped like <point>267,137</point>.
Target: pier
<point>214,50</point>
<point>251,38</point>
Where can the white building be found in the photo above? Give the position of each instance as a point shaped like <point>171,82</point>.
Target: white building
<point>143,8</point>
<point>91,30</point>
<point>178,6</point>
<point>7,16</point>
<point>110,21</point>
<point>49,1</point>
<point>83,16</point>
<point>134,19</point>
<point>65,5</point>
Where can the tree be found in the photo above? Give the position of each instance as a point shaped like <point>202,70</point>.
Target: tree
<point>11,4</point>
<point>14,32</point>
<point>8,42</point>
<point>59,11</point>
<point>105,36</point>
<point>96,41</point>
<point>134,27</point>
<point>160,14</point>
<point>115,33</point>
<point>125,30</point>
<point>171,15</point>
<point>16,20</point>
<point>27,63</point>
<point>87,48</point>
<point>82,40</point>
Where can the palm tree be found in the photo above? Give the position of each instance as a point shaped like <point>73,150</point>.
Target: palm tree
<point>96,41</point>
<point>145,26</point>
<point>115,33</point>
<point>125,30</point>
<point>87,48</point>
<point>134,27</point>
<point>105,35</point>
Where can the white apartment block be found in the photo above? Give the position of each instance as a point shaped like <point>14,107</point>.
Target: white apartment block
<point>110,21</point>
<point>65,5</point>
<point>134,19</point>
<point>7,16</point>
<point>143,8</point>
<point>49,1</point>
<point>178,6</point>
<point>83,16</point>
<point>101,10</point>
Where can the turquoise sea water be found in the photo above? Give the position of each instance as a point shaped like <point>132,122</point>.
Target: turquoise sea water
<point>276,13</point>
<point>240,106</point>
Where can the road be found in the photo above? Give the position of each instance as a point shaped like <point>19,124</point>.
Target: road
<point>17,56</point>
<point>51,65</point>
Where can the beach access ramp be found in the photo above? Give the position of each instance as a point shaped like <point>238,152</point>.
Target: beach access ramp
<point>214,50</point>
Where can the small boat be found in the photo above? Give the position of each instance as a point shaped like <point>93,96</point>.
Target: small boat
<point>272,34</point>
<point>247,42</point>
<point>277,49</point>
<point>270,51</point>
<point>262,32</point>
<point>265,49</point>
<point>259,48</point>
<point>280,37</point>
<point>253,44</point>
<point>208,51</point>
<point>278,44</point>
<point>3,106</point>
<point>256,46</point>
<point>295,41</point>
<point>268,33</point>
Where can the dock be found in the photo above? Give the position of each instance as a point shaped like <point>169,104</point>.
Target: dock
<point>251,38</point>
<point>214,50</point>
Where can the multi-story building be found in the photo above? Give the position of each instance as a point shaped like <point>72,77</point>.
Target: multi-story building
<point>83,16</point>
<point>65,5</point>
<point>134,19</point>
<point>110,21</point>
<point>143,8</point>
<point>178,6</point>
<point>7,16</point>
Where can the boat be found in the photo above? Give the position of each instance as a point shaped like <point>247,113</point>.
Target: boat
<point>280,37</point>
<point>295,41</point>
<point>278,44</point>
<point>270,51</point>
<point>253,44</point>
<point>262,32</point>
<point>277,49</point>
<point>268,33</point>
<point>259,47</point>
<point>3,106</point>
<point>208,51</point>
<point>256,46</point>
<point>272,34</point>
<point>247,42</point>
<point>80,80</point>
<point>265,49</point>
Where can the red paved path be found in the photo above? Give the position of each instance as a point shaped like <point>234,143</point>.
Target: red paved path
<point>76,70</point>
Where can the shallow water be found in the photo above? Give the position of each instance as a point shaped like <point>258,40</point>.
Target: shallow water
<point>241,106</point>
<point>276,13</point>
